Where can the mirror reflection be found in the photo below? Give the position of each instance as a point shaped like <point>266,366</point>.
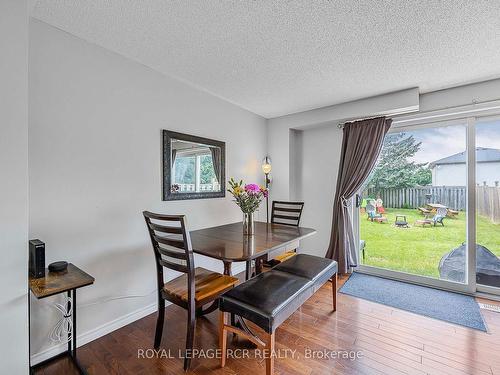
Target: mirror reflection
<point>194,167</point>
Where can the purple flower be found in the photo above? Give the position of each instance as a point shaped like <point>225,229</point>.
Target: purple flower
<point>252,188</point>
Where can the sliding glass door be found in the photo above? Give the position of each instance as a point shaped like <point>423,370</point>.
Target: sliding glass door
<point>430,211</point>
<point>413,212</point>
<point>488,204</point>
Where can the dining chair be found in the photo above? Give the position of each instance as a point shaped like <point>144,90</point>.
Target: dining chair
<point>285,213</point>
<point>195,288</point>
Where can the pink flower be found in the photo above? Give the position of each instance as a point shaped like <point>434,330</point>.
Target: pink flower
<point>252,188</point>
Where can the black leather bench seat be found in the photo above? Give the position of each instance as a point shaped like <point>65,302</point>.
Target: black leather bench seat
<point>271,297</point>
<point>309,266</point>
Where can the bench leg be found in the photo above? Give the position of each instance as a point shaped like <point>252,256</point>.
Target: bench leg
<point>334,291</point>
<point>270,353</point>
<point>222,337</point>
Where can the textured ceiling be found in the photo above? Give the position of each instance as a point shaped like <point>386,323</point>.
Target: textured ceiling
<point>280,57</point>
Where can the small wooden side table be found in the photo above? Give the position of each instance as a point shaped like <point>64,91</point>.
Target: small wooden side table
<point>59,282</point>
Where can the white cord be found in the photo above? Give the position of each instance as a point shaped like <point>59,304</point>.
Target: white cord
<point>63,330</point>
<point>116,298</point>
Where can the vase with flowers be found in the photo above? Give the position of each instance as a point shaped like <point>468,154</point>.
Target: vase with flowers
<point>248,197</point>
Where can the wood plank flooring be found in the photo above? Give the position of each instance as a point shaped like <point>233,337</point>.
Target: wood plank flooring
<point>390,341</point>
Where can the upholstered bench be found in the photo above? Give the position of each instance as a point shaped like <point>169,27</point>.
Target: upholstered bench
<point>271,297</point>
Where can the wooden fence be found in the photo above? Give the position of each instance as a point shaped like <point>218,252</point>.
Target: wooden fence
<point>454,197</point>
<point>488,202</point>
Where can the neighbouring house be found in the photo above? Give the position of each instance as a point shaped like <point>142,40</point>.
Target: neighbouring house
<point>451,171</point>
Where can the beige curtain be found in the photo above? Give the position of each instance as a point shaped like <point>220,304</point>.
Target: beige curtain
<point>361,145</point>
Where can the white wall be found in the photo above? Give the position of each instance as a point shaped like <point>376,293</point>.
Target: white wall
<point>488,172</point>
<point>13,186</point>
<point>319,156</point>
<point>456,174</point>
<point>95,165</point>
<point>449,175</point>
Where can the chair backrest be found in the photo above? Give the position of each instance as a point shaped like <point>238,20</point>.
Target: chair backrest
<point>370,208</point>
<point>287,213</point>
<point>441,211</point>
<point>172,246</point>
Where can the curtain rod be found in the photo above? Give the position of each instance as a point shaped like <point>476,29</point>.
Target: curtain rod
<point>436,115</point>
<point>341,125</point>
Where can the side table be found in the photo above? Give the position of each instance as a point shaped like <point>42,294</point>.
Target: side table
<point>54,283</point>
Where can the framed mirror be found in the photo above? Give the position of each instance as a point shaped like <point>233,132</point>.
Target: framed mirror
<point>193,167</point>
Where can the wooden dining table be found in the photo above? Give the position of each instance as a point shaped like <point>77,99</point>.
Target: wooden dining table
<point>228,244</point>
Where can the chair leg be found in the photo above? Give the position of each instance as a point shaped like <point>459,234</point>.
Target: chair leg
<point>270,353</point>
<point>222,337</point>
<point>159,322</point>
<point>334,291</point>
<point>190,338</point>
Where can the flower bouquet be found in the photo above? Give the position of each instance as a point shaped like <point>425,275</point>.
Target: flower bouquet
<point>248,197</point>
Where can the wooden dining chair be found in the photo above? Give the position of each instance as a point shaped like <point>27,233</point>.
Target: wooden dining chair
<point>194,289</point>
<point>286,213</point>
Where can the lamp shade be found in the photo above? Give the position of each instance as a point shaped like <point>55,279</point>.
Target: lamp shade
<point>266,165</point>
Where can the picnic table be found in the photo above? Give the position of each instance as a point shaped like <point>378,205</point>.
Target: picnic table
<point>435,206</point>
<point>449,212</point>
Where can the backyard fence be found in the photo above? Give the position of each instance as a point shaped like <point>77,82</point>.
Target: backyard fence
<point>454,197</point>
<point>488,202</point>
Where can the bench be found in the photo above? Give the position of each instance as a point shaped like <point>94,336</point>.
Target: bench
<point>424,211</point>
<point>271,297</point>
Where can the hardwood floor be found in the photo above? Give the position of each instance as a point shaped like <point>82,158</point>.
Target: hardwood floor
<point>390,341</point>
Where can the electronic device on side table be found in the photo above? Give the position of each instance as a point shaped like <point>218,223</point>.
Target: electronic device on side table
<point>37,259</point>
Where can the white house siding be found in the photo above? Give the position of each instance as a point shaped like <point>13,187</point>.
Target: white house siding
<point>489,173</point>
<point>456,174</point>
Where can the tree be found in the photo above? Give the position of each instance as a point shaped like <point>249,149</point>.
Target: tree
<point>394,169</point>
<point>207,172</point>
<point>185,169</point>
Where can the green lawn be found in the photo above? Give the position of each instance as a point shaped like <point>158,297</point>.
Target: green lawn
<point>418,250</point>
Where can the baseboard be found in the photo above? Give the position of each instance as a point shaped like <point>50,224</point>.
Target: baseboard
<point>95,333</point>
<point>109,327</point>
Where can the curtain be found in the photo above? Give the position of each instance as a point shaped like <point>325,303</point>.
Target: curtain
<point>361,145</point>
<point>216,161</point>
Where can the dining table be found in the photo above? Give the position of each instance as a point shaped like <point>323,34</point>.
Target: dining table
<point>228,244</point>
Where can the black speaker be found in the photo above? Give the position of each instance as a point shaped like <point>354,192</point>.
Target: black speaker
<point>37,259</point>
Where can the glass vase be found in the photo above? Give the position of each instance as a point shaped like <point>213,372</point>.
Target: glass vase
<point>248,224</point>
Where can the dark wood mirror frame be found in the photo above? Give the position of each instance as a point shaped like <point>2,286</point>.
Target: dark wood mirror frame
<point>167,162</point>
